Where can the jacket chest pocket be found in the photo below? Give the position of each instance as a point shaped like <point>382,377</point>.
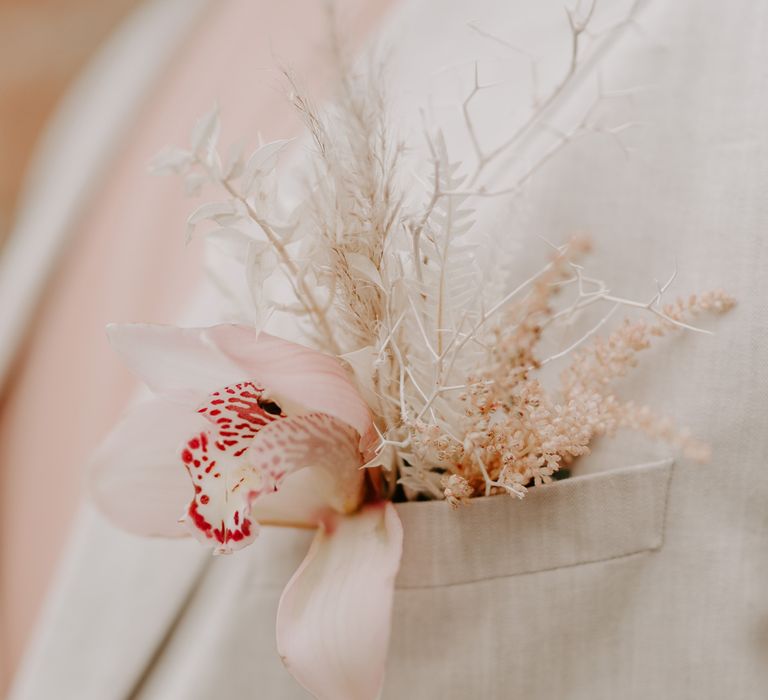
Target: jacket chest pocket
<point>575,521</point>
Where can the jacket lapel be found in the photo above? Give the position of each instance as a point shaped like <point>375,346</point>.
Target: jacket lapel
<point>110,614</point>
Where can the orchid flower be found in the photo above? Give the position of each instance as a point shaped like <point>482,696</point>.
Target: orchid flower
<point>246,429</point>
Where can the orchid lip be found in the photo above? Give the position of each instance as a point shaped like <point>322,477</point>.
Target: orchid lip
<point>224,479</point>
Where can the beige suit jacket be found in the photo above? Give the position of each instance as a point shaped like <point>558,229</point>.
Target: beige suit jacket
<point>642,577</point>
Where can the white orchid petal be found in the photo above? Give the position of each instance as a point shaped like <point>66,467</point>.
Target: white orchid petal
<point>135,475</point>
<point>334,616</point>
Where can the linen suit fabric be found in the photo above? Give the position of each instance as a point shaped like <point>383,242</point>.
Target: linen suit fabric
<point>641,577</point>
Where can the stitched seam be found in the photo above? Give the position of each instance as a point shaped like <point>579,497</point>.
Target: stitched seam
<point>665,514</point>
<point>435,586</point>
<point>532,572</point>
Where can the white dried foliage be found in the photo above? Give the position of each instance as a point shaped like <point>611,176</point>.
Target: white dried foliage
<point>380,265</point>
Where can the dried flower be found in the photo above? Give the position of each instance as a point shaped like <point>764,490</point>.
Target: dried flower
<point>456,489</point>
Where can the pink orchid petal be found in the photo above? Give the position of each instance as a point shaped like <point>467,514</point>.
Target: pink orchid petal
<point>175,363</point>
<point>334,617</point>
<point>326,453</point>
<point>188,364</point>
<point>135,476</point>
<point>298,375</point>
<point>299,502</point>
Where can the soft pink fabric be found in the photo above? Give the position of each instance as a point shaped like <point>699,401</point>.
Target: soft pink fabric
<point>128,263</point>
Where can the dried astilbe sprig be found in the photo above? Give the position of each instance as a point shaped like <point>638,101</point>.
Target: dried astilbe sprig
<point>520,434</point>
<point>394,281</point>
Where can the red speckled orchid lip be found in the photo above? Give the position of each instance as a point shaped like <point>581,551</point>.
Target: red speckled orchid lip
<point>247,453</point>
<point>225,480</point>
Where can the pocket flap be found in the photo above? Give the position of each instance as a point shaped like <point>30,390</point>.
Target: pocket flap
<point>574,521</point>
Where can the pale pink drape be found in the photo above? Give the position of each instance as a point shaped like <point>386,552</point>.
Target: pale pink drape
<point>127,262</point>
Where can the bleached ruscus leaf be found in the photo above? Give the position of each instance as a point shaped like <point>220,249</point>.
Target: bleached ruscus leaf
<point>227,213</point>
<point>262,161</point>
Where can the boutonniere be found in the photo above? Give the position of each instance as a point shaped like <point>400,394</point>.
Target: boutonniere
<point>420,371</point>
